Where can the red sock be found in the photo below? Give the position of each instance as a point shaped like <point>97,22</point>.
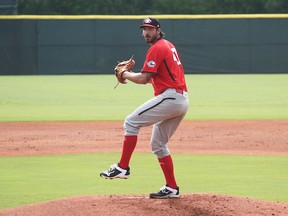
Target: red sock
<point>166,164</point>
<point>129,145</point>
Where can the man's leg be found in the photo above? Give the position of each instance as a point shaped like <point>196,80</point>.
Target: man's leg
<point>129,145</point>
<point>162,132</point>
<point>167,167</point>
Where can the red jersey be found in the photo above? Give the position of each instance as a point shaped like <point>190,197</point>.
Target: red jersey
<point>163,60</point>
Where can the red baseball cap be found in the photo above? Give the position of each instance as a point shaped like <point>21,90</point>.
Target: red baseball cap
<point>150,22</point>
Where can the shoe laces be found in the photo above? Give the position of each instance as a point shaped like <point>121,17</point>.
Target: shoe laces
<point>112,167</point>
<point>164,190</point>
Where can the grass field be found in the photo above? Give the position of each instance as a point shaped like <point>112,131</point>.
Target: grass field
<point>41,178</point>
<point>33,179</point>
<point>92,97</point>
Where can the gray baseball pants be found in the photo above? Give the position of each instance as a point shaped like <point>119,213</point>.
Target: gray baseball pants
<point>164,112</point>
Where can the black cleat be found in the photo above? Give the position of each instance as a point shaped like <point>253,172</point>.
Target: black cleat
<point>116,171</point>
<point>165,192</point>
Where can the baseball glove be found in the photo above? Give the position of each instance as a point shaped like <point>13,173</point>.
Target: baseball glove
<point>121,67</point>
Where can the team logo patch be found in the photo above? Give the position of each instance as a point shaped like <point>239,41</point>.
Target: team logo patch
<point>148,20</point>
<point>151,64</point>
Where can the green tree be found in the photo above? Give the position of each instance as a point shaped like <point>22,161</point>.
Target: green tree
<point>122,7</point>
<point>276,6</point>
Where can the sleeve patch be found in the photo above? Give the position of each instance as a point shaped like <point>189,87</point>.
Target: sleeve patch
<point>151,64</point>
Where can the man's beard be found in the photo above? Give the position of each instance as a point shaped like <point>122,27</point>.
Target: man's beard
<point>151,39</point>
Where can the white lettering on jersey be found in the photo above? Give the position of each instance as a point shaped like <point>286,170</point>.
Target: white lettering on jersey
<point>175,56</point>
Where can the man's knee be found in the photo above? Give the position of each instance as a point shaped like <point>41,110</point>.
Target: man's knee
<point>130,128</point>
<point>161,152</point>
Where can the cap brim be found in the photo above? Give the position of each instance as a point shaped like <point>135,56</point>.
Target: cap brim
<point>147,25</point>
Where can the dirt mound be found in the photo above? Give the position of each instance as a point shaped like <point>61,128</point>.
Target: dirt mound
<point>188,204</point>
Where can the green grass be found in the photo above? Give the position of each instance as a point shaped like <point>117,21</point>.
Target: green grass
<point>92,97</point>
<point>238,97</point>
<point>25,180</point>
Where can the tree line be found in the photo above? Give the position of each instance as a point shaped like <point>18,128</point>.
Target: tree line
<point>142,7</point>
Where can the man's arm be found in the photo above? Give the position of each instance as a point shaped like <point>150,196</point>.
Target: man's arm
<point>138,78</point>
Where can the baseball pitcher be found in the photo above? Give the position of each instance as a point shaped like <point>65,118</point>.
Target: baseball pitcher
<point>164,70</point>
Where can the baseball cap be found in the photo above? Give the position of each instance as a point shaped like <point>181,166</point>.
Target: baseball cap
<point>150,22</point>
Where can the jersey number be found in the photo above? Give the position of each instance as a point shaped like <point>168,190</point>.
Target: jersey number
<point>175,56</point>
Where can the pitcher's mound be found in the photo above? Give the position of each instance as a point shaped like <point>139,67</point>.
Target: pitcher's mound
<point>125,205</point>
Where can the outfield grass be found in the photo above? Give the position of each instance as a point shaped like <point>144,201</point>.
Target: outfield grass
<point>92,97</point>
<point>41,178</point>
